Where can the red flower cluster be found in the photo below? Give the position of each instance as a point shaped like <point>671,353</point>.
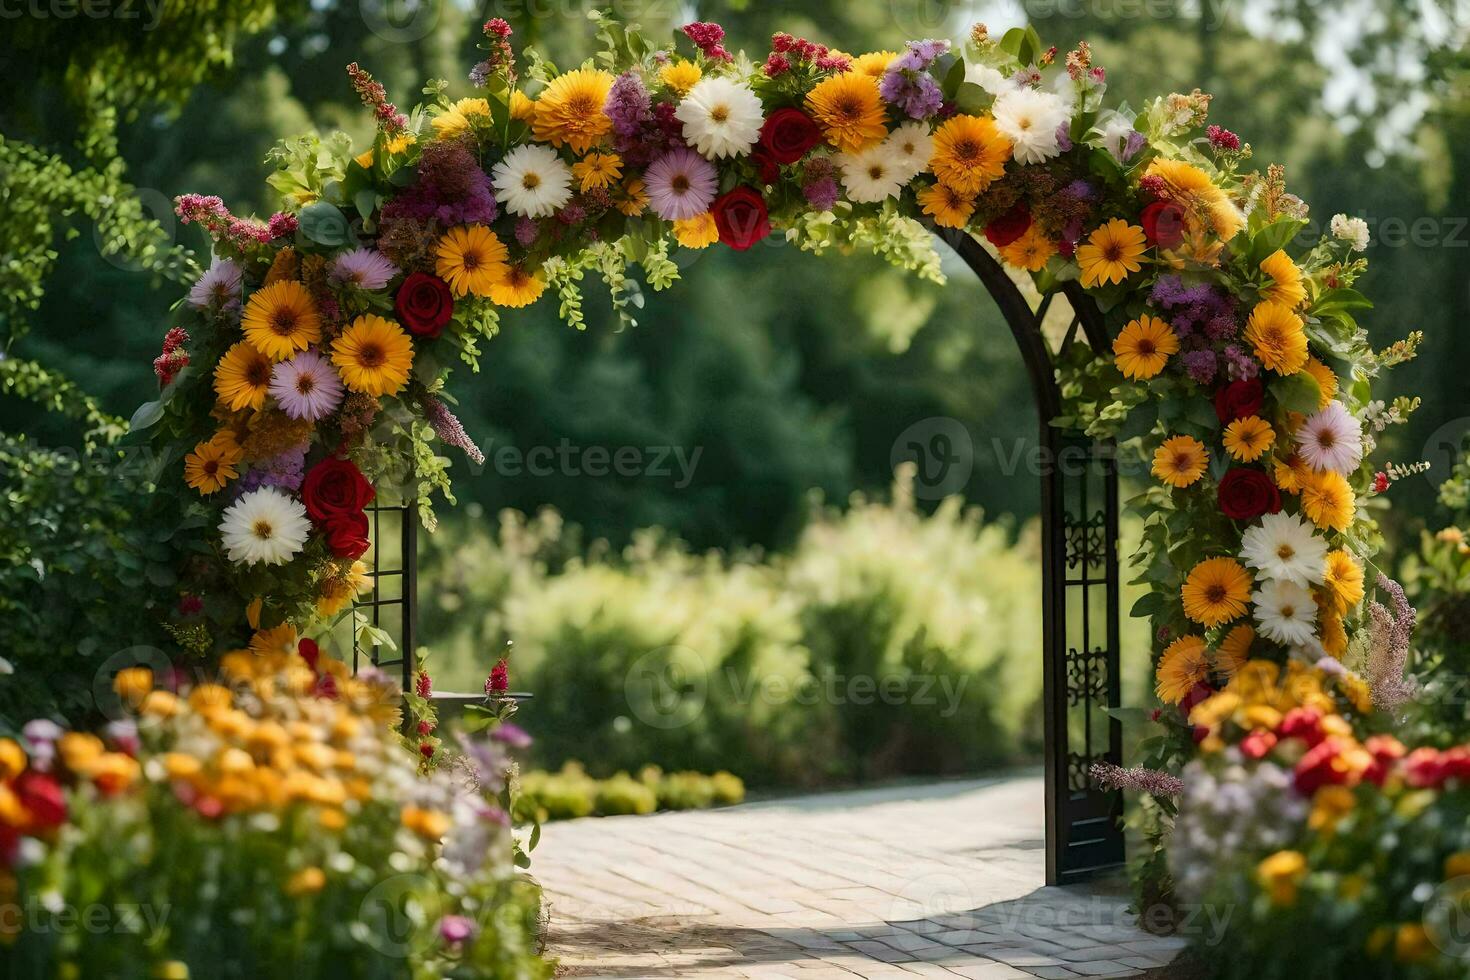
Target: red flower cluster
<point>335,493</point>
<point>707,38</point>
<point>1222,138</point>
<point>788,52</point>
<point>375,97</point>
<point>499,680</point>
<point>1429,768</point>
<point>1009,226</point>
<point>174,358</point>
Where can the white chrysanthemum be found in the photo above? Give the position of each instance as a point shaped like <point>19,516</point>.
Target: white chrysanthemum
<point>1285,612</point>
<point>265,526</point>
<point>532,181</point>
<point>988,78</point>
<point>1283,547</point>
<point>910,146</point>
<point>1030,119</point>
<point>1354,230</point>
<point>1331,440</point>
<point>871,175</point>
<point>721,117</point>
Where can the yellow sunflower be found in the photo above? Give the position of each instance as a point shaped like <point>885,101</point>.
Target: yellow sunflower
<point>242,377</point>
<point>597,170</point>
<point>947,206</point>
<point>969,152</point>
<point>1343,580</point>
<point>1278,337</point>
<point>1216,591</point>
<point>522,107</point>
<point>373,355</point>
<point>1234,650</point>
<point>1185,663</point>
<point>1143,347</point>
<point>280,320</point>
<point>874,63</point>
<point>849,109</point>
<point>517,287</point>
<point>1247,439</point>
<point>1111,252</point>
<point>1031,251</point>
<point>699,231</point>
<point>470,258</point>
<point>1193,190</point>
<point>1328,500</point>
<point>1286,286</point>
<point>212,464</point>
<point>569,111</point>
<point>1326,381</point>
<point>1181,461</point>
<point>680,76</point>
<point>459,117</point>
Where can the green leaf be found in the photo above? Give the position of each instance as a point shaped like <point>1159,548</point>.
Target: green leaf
<point>147,414</point>
<point>325,224</point>
<point>1297,393</point>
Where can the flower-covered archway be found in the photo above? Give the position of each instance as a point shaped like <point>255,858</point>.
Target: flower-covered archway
<point>304,379</point>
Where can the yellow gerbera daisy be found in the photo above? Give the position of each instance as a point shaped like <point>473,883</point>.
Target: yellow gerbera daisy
<point>1031,251</point>
<point>699,231</point>
<point>212,464</point>
<point>242,377</point>
<point>569,111</point>
<point>278,639</point>
<point>522,107</point>
<point>1181,461</point>
<point>947,206</point>
<point>1111,252</point>
<point>1234,650</point>
<point>1247,439</point>
<point>1331,630</point>
<point>1278,337</point>
<point>1290,472</point>
<point>1326,380</point>
<point>1343,580</point>
<point>517,287</point>
<point>337,591</point>
<point>1185,663</point>
<point>849,109</point>
<point>680,76</point>
<point>969,152</point>
<point>470,258</point>
<point>1216,591</point>
<point>1328,500</point>
<point>1193,190</point>
<point>460,116</point>
<point>634,197</point>
<point>1286,286</point>
<point>597,170</point>
<point>1143,347</point>
<point>280,320</point>
<point>874,63</point>
<point>373,355</point>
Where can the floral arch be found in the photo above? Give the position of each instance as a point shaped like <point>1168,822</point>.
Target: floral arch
<point>304,378</point>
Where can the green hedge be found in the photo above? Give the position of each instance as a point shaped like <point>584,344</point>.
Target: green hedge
<point>570,793</point>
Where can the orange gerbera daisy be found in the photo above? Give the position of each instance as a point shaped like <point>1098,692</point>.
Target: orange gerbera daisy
<point>1343,580</point>
<point>1184,664</point>
<point>1234,650</point>
<point>849,109</point>
<point>874,63</point>
<point>569,110</point>
<point>373,355</point>
<point>1278,337</point>
<point>212,464</point>
<point>1143,347</point>
<point>1286,286</point>
<point>1326,381</point>
<point>1216,591</point>
<point>1031,251</point>
<point>947,206</point>
<point>1246,439</point>
<point>1328,500</point>
<point>517,287</point>
<point>470,258</point>
<point>969,152</point>
<point>280,320</point>
<point>699,231</point>
<point>1111,252</point>
<point>242,377</point>
<point>1192,189</point>
<point>1181,461</point>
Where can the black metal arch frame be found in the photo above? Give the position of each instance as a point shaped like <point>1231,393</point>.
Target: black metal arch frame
<point>1079,574</point>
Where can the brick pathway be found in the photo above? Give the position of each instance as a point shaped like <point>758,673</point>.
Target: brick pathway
<point>942,880</point>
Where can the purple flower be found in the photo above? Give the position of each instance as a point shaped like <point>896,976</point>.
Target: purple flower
<point>219,285</point>
<point>1200,365</point>
<point>821,193</point>
<point>511,735</point>
<point>365,268</point>
<point>1064,137</point>
<point>1132,143</point>
<point>628,106</point>
<point>681,184</point>
<point>526,230</point>
<point>447,427</point>
<point>908,84</point>
<point>1239,365</point>
<point>285,471</point>
<point>306,386</point>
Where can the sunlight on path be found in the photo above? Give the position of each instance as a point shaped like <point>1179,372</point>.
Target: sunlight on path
<point>940,880</point>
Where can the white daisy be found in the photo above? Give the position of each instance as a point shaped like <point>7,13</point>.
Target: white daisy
<point>1331,440</point>
<point>1285,612</point>
<point>872,174</point>
<point>265,526</point>
<point>1284,547</point>
<point>721,117</point>
<point>910,146</point>
<point>532,181</point>
<point>1030,119</point>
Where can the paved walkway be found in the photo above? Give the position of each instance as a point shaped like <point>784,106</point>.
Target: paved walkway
<point>941,880</point>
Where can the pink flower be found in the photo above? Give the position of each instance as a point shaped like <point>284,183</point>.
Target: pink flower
<point>219,286</point>
<point>306,386</point>
<point>681,184</point>
<point>364,268</point>
<point>1331,440</point>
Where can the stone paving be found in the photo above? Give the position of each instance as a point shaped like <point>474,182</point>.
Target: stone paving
<point>939,880</point>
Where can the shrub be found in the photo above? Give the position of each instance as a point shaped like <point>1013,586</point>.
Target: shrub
<point>570,793</point>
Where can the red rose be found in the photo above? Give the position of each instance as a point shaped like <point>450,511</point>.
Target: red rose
<point>424,304</point>
<point>741,217</point>
<point>335,487</point>
<point>1302,723</point>
<point>1009,226</point>
<point>309,651</point>
<point>766,166</point>
<point>1239,399</point>
<point>787,135</point>
<point>1247,494</point>
<point>39,794</point>
<point>1163,223</point>
<point>347,535</point>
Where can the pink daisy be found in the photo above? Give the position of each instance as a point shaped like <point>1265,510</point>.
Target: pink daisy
<point>1331,440</point>
<point>306,386</point>
<point>219,285</point>
<point>681,184</point>
<point>364,268</point>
